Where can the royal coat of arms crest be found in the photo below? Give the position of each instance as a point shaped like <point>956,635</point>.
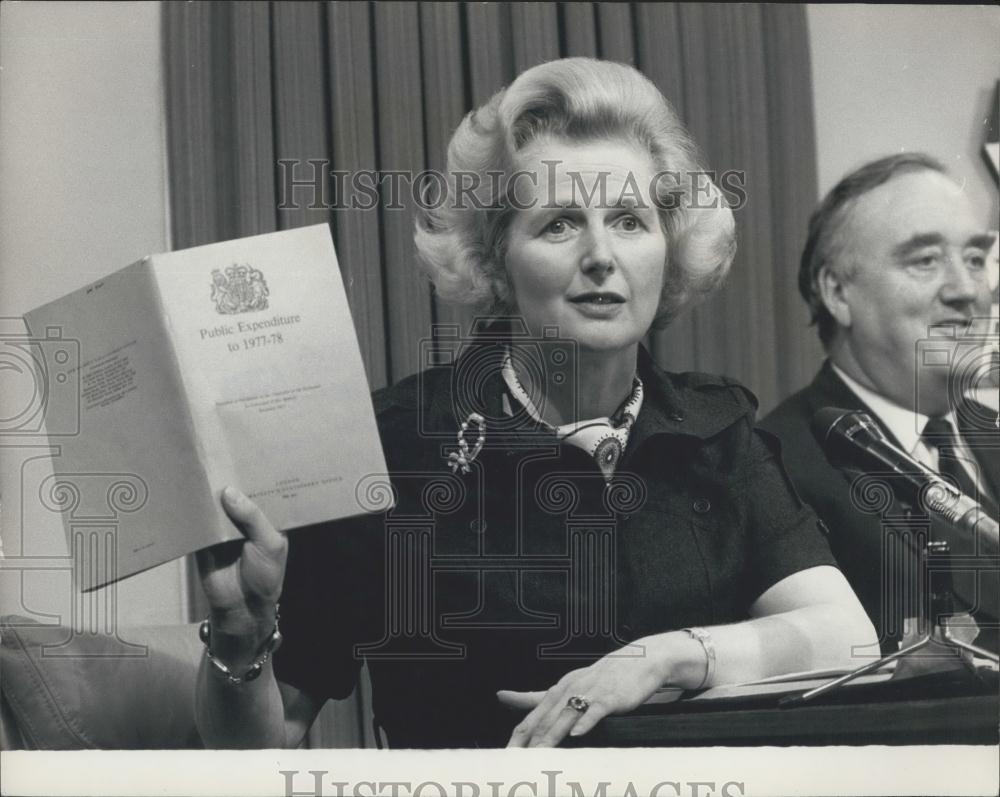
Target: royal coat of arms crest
<point>241,289</point>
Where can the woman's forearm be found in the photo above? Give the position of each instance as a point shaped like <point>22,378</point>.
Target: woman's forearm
<point>813,637</point>
<point>243,716</point>
<point>817,635</point>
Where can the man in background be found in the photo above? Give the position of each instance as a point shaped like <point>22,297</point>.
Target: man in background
<point>894,272</point>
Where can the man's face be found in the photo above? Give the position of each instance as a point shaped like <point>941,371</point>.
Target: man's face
<point>915,259</point>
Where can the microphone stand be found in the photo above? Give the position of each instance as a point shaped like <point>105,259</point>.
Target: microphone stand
<point>941,606</point>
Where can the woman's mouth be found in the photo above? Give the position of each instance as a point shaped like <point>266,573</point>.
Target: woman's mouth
<point>595,297</point>
<point>598,304</point>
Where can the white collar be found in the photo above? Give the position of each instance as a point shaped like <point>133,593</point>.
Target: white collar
<point>905,424</point>
<point>566,430</point>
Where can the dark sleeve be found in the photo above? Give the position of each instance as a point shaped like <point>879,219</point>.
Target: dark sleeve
<point>329,604</point>
<point>785,535</point>
<point>333,595</point>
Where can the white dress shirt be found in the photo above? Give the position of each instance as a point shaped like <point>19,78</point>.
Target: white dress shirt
<point>908,425</point>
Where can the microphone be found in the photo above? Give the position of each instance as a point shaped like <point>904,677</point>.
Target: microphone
<point>854,436</point>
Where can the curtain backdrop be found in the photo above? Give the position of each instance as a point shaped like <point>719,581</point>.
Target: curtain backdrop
<point>358,86</point>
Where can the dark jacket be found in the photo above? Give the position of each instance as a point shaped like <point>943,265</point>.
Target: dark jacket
<point>873,535</point>
<point>530,565</point>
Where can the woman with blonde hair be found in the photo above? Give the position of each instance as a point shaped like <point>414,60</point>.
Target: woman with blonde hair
<point>573,527</point>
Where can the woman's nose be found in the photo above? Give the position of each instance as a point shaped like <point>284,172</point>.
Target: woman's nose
<point>598,257</point>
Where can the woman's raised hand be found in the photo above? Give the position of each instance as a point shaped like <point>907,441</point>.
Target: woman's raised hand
<point>242,578</point>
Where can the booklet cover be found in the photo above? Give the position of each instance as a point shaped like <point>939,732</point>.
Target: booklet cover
<point>233,363</point>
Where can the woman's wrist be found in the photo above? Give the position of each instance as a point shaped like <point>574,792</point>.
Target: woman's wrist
<point>236,636</point>
<point>679,659</point>
<point>243,619</point>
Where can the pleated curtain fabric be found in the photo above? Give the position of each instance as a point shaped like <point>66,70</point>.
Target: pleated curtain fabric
<point>263,94</point>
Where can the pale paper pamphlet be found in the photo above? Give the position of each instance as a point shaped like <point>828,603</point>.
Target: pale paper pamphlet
<point>234,364</point>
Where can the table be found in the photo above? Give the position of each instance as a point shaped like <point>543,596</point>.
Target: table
<point>931,710</point>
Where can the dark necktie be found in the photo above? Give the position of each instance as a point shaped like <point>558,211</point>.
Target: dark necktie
<point>982,590</point>
<point>939,434</point>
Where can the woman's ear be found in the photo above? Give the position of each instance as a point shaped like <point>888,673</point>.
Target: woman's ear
<point>832,291</point>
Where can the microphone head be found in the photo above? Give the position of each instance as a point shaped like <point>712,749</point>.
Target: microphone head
<point>824,421</point>
<point>842,434</point>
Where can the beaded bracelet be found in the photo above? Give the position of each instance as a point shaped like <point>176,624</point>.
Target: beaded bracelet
<point>271,644</point>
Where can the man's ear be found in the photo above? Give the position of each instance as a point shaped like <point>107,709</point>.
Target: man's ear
<point>831,291</point>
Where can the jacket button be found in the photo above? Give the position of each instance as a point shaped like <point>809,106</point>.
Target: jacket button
<point>702,505</point>
<point>676,416</point>
<point>476,527</point>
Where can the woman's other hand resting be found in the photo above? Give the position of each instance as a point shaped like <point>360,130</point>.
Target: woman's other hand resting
<point>809,619</point>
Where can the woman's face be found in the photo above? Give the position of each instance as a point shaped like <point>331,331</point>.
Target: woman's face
<point>585,250</point>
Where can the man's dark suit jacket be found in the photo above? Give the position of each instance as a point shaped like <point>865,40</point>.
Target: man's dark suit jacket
<point>866,524</point>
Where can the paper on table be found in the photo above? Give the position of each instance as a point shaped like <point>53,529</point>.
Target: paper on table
<point>775,685</point>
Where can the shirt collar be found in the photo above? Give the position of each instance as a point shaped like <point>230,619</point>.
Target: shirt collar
<point>906,425</point>
<point>515,391</point>
<point>679,404</point>
<point>671,405</point>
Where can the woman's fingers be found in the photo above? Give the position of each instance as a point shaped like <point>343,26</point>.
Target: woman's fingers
<point>249,519</point>
<point>525,730</point>
<point>581,699</point>
<point>588,719</point>
<point>218,556</point>
<point>522,700</point>
<point>548,724</point>
<point>550,719</point>
<point>244,577</point>
<point>560,716</point>
<point>554,727</point>
<point>552,716</point>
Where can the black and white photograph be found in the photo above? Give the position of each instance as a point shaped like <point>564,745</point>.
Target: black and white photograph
<point>493,399</point>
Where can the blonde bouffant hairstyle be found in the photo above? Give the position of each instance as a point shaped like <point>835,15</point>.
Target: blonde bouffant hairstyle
<point>461,240</point>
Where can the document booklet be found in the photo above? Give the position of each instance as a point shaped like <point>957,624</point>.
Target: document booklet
<point>229,364</point>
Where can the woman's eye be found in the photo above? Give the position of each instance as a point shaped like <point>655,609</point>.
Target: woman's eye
<point>629,223</point>
<point>557,227</point>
